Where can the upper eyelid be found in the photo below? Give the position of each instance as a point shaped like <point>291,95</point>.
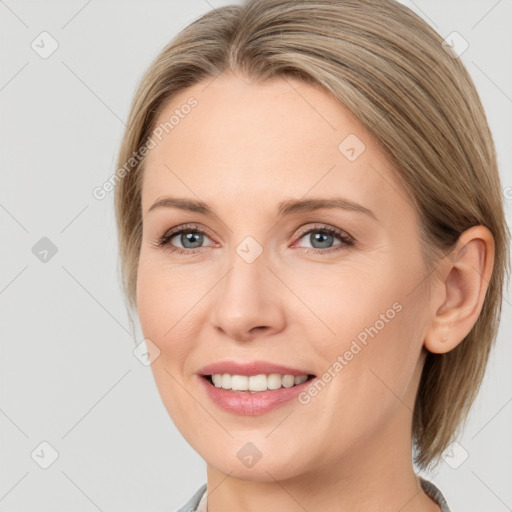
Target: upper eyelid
<point>185,227</point>
<point>325,227</point>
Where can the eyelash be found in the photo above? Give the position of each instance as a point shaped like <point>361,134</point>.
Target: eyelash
<point>346,240</point>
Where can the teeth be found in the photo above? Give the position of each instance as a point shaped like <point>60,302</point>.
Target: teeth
<point>301,379</point>
<point>239,382</point>
<point>255,383</point>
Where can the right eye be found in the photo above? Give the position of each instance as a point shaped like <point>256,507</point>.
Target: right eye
<point>190,237</point>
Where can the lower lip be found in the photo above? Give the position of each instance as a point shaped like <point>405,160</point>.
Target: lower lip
<point>251,404</point>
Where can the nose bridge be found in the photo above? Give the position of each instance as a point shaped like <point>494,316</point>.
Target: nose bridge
<point>248,266</point>
<point>245,299</point>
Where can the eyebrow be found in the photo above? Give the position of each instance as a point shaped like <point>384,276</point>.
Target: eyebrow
<point>289,207</point>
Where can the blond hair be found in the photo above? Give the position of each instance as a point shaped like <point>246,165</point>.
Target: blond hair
<point>390,69</point>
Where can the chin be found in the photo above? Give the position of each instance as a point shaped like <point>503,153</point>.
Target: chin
<point>246,461</point>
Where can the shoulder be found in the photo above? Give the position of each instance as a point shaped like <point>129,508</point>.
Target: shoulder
<point>193,503</point>
<point>433,492</point>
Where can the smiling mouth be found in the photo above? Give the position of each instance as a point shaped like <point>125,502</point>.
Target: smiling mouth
<point>256,383</point>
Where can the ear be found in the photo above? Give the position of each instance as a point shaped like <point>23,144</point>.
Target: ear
<point>462,281</point>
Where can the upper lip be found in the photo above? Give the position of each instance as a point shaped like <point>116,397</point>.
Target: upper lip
<point>250,368</point>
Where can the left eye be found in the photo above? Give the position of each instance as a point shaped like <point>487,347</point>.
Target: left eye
<point>322,238</point>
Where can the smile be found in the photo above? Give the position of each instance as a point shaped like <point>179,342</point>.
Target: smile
<point>252,402</point>
<point>256,383</point>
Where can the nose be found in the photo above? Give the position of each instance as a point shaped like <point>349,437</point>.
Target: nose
<point>249,301</point>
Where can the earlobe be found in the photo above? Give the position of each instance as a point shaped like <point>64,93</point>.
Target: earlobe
<point>467,271</point>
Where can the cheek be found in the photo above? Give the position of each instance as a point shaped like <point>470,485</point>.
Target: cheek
<point>162,314</point>
<point>367,367</point>
<point>355,304</point>
<point>151,300</point>
<point>165,295</point>
<point>376,322</point>
<point>162,305</point>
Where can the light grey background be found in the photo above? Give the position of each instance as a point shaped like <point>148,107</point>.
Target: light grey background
<point>68,374</point>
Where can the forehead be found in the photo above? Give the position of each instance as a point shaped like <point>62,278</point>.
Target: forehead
<point>264,142</point>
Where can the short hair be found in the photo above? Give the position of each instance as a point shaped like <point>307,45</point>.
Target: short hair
<point>391,70</point>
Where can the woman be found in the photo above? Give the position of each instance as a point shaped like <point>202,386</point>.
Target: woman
<point>312,234</point>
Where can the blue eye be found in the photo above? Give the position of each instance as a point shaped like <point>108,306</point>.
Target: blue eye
<point>324,236</point>
<point>191,238</point>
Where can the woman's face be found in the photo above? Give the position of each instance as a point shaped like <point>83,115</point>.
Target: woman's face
<point>262,281</point>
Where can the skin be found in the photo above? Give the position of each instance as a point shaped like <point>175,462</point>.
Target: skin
<point>242,150</point>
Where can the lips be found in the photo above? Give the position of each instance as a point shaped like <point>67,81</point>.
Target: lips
<point>251,368</point>
<point>251,403</point>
